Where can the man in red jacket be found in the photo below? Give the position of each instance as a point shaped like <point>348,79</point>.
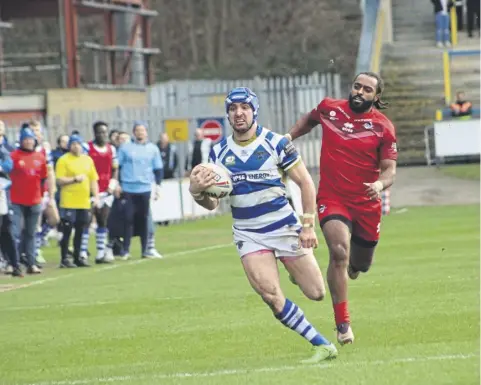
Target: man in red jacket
<point>28,174</point>
<point>49,206</point>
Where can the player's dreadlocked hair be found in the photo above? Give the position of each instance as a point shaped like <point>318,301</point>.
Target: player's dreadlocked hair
<point>379,104</point>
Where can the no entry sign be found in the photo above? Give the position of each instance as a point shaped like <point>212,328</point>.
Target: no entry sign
<point>213,128</point>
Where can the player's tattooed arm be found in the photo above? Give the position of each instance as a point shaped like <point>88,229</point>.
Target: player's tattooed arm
<point>302,127</point>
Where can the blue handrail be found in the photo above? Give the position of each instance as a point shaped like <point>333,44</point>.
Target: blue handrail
<point>368,32</point>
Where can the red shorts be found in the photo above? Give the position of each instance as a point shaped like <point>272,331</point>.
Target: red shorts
<point>364,219</point>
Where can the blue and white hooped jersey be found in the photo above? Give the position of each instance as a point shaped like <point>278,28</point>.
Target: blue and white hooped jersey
<point>258,198</point>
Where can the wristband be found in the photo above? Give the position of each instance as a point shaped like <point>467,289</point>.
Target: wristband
<point>113,184</point>
<point>308,225</point>
<point>197,196</point>
<point>308,216</point>
<point>288,136</point>
<point>379,185</point>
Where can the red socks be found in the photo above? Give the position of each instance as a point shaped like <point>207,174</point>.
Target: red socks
<point>341,313</point>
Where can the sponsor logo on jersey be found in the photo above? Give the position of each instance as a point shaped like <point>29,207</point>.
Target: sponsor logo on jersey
<point>229,160</point>
<point>348,127</point>
<point>368,126</point>
<point>289,149</point>
<point>252,176</point>
<point>261,155</point>
<point>238,178</point>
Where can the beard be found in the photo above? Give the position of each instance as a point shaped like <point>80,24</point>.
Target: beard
<point>359,107</point>
<point>242,130</point>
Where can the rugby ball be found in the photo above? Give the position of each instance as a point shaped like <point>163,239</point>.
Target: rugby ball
<point>223,183</point>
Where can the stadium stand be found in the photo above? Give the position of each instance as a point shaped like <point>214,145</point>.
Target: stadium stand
<point>415,76</point>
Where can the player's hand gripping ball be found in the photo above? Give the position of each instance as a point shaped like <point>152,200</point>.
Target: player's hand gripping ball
<point>222,183</point>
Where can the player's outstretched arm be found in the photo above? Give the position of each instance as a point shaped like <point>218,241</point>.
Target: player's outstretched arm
<point>299,174</point>
<point>201,179</point>
<point>302,127</point>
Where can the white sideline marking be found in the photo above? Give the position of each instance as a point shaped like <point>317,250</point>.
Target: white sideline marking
<point>111,267</point>
<point>229,372</point>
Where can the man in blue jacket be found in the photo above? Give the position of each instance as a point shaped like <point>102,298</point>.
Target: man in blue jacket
<point>140,165</point>
<point>3,139</point>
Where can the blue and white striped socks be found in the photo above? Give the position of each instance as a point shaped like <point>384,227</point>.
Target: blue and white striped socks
<point>84,245</point>
<point>101,241</point>
<point>38,242</point>
<point>150,242</point>
<point>293,317</point>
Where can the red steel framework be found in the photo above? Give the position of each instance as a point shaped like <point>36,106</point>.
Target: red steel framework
<point>68,13</point>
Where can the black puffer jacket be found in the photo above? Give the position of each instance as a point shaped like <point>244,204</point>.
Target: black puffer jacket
<point>438,5</point>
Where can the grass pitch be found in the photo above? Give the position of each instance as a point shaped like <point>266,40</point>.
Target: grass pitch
<point>462,171</point>
<point>193,319</point>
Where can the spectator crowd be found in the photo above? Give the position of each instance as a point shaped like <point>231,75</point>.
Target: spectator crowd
<point>103,186</point>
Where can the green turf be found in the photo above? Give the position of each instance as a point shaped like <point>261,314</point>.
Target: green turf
<point>193,319</point>
<point>463,171</point>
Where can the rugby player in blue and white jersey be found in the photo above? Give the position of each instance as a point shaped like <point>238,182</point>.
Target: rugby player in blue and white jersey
<point>265,227</point>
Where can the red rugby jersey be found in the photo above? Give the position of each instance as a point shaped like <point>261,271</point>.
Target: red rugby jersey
<point>352,147</point>
<point>103,162</point>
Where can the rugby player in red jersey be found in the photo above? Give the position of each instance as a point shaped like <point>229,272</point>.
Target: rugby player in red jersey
<point>105,160</point>
<point>357,162</point>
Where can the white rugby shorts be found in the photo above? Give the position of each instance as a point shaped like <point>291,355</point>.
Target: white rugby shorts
<point>283,242</point>
<point>105,199</point>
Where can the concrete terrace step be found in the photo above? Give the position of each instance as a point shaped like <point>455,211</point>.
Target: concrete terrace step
<point>410,122</point>
<point>399,66</point>
<point>436,74</point>
<point>393,91</point>
<point>425,41</point>
<point>417,41</point>
<point>408,72</point>
<point>412,110</point>
<point>436,96</point>
<point>426,49</point>
<point>402,65</point>
<point>413,141</point>
<point>411,158</point>
<point>436,99</point>
<point>413,35</point>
